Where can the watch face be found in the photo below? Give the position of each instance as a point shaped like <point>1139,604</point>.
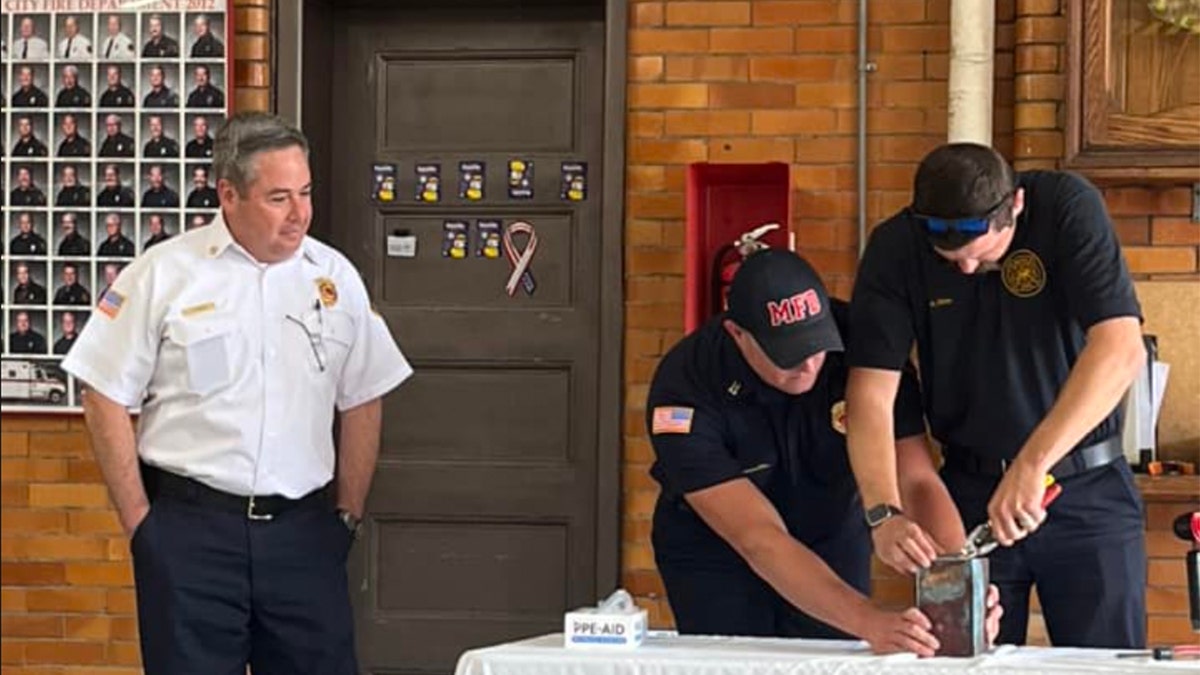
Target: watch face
<point>875,513</point>
<point>881,512</point>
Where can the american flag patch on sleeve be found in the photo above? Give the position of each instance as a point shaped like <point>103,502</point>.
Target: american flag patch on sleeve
<point>110,303</point>
<point>671,420</point>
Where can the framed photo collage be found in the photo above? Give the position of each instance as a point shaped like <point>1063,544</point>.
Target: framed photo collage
<point>109,108</point>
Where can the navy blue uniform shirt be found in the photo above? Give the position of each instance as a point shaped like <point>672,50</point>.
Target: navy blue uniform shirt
<point>118,196</point>
<point>74,244</point>
<point>76,195</point>
<point>161,98</point>
<point>995,349</point>
<point>74,146</point>
<point>161,147</point>
<point>30,98</point>
<point>120,145</point>
<point>119,96</point>
<point>793,448</point>
<point>116,247</point>
<point>74,97</point>
<point>200,147</point>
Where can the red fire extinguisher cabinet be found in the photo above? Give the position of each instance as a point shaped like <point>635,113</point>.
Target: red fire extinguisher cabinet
<point>723,202</point>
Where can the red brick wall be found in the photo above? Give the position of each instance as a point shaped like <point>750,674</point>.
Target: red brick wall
<point>1166,593</point>
<point>66,585</point>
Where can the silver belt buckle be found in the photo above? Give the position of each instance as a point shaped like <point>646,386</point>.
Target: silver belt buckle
<point>256,516</point>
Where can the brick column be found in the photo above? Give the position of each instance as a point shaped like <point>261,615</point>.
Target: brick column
<point>252,55</point>
<point>1040,84</point>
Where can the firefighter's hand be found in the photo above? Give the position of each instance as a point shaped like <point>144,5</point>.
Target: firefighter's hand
<point>909,631</point>
<point>902,545</point>
<point>1015,509</point>
<point>994,612</point>
<point>131,521</point>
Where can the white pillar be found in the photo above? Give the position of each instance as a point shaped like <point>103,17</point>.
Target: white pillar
<point>972,51</point>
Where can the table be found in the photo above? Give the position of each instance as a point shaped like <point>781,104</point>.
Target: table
<point>665,653</point>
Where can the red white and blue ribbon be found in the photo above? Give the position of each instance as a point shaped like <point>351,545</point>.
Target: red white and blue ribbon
<point>522,275</point>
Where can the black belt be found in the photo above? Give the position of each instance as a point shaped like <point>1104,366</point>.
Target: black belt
<point>161,483</point>
<point>1077,461</point>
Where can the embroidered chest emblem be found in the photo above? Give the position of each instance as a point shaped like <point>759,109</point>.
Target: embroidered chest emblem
<point>1024,274</point>
<point>328,291</point>
<point>837,417</point>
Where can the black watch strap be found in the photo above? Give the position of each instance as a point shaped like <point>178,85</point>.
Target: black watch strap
<point>881,513</point>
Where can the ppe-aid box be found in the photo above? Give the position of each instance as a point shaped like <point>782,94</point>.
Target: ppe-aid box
<point>615,623</point>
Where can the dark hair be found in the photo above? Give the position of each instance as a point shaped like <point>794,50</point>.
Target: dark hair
<point>242,137</point>
<point>964,180</point>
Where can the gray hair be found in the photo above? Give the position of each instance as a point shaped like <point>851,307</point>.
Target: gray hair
<point>246,135</point>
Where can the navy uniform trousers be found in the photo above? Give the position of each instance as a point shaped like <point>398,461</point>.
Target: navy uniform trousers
<point>724,596</point>
<point>1088,559</point>
<point>217,591</point>
<point>736,601</point>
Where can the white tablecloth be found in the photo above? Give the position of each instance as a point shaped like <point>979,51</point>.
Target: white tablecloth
<point>670,654</point>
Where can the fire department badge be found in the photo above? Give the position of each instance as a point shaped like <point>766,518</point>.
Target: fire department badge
<point>328,291</point>
<point>1023,273</point>
<point>837,417</point>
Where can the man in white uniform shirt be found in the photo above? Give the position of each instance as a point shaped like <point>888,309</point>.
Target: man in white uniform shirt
<point>73,45</point>
<point>30,47</point>
<point>116,45</point>
<point>238,342</point>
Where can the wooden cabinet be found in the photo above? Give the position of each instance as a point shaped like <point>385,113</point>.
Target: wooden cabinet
<point>1133,104</point>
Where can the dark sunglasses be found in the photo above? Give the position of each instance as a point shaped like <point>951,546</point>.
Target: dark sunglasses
<point>971,226</point>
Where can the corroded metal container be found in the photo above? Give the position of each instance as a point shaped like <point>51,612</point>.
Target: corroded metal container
<point>952,593</point>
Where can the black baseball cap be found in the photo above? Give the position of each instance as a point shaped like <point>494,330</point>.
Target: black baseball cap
<point>778,298</point>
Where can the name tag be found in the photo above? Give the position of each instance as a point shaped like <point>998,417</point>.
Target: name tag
<point>198,309</point>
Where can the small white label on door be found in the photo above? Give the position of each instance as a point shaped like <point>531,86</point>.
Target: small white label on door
<point>401,246</point>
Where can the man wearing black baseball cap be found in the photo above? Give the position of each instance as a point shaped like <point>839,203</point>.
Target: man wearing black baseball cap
<point>778,298</point>
<point>759,529</point>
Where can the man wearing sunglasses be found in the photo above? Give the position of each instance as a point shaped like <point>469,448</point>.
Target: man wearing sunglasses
<point>1027,329</point>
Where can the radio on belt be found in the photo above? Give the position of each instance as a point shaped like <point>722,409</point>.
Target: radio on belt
<point>615,623</point>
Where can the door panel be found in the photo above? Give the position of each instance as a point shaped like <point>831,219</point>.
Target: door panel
<point>482,521</point>
<point>428,424</point>
<point>464,88</point>
<point>479,555</point>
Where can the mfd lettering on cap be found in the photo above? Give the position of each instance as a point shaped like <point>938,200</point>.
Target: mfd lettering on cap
<point>801,306</point>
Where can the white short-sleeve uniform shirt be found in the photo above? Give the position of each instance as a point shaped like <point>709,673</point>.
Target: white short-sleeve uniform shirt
<point>78,47</point>
<point>237,366</point>
<point>117,47</point>
<point>31,49</point>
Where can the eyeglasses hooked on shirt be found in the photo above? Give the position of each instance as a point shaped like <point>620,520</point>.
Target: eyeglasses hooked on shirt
<point>312,323</point>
